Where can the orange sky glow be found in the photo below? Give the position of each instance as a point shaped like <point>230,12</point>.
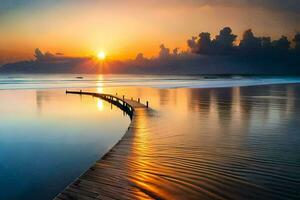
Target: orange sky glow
<point>124,28</point>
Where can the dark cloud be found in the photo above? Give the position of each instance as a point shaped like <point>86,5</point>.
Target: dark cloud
<point>279,5</point>
<point>254,55</point>
<point>192,44</point>
<point>266,42</point>
<point>164,52</point>
<point>175,63</point>
<point>204,43</point>
<point>297,41</point>
<point>140,57</point>
<point>249,42</point>
<point>224,42</point>
<point>49,57</point>
<point>40,56</point>
<point>282,44</point>
<point>276,5</point>
<point>176,51</point>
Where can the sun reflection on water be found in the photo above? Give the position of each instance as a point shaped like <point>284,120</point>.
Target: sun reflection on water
<point>100,83</point>
<point>100,104</point>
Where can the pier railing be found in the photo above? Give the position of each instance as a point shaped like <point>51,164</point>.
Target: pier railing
<point>119,102</point>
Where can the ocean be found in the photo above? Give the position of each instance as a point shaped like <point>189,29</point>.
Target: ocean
<point>209,137</point>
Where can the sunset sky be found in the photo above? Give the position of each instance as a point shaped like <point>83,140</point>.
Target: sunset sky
<point>124,28</point>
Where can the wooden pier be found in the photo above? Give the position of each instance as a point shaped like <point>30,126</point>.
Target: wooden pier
<point>127,105</point>
<point>106,178</point>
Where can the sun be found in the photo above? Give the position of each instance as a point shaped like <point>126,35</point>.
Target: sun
<point>101,55</point>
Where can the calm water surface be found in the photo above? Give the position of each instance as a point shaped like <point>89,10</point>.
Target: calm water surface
<point>219,143</point>
<point>225,143</point>
<point>49,138</point>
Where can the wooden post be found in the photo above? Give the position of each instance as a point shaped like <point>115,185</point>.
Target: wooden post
<point>139,100</point>
<point>147,104</point>
<point>116,94</point>
<point>131,98</point>
<point>123,97</point>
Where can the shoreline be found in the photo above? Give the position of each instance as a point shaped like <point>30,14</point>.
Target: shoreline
<point>160,82</point>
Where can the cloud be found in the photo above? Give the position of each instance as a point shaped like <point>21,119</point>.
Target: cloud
<point>263,45</point>
<point>164,52</point>
<point>223,43</point>
<point>204,43</point>
<point>297,41</point>
<point>49,57</point>
<point>276,5</point>
<point>192,44</point>
<point>40,56</point>
<point>279,5</point>
<point>250,42</point>
<point>176,51</point>
<point>140,57</point>
<point>176,62</point>
<point>282,44</point>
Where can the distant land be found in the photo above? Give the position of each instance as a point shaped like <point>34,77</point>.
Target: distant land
<point>221,55</point>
